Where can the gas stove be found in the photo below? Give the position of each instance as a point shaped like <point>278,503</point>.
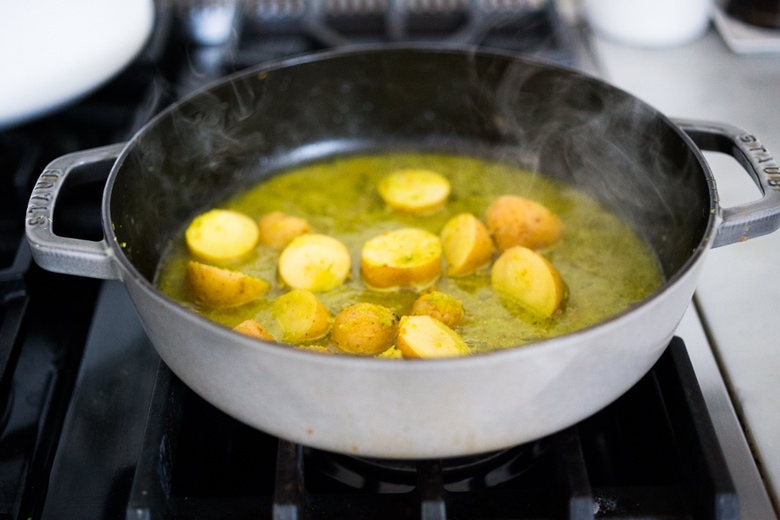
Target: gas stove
<point>94,425</point>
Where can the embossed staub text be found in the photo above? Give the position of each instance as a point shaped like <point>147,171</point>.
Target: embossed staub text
<point>761,158</point>
<point>39,207</point>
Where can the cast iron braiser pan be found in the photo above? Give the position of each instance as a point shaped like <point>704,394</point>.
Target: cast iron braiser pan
<point>647,168</point>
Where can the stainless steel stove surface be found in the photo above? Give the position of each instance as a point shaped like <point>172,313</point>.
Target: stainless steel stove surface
<point>95,426</point>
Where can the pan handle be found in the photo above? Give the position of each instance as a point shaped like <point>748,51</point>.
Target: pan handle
<point>62,254</point>
<point>755,218</point>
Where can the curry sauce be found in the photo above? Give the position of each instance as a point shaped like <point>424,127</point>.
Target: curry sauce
<point>605,266</point>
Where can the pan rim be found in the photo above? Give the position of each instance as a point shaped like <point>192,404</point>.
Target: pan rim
<point>129,271</point>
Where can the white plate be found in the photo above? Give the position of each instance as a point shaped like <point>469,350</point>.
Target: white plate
<point>743,38</point>
<point>54,51</point>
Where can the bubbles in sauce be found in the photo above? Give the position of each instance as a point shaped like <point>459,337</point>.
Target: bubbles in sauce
<point>605,266</point>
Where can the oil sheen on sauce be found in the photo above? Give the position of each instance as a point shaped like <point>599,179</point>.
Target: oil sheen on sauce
<point>605,266</point>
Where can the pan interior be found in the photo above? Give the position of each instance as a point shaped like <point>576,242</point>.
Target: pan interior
<point>546,119</point>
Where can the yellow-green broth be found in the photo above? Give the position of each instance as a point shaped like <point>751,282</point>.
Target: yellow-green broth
<point>605,266</point>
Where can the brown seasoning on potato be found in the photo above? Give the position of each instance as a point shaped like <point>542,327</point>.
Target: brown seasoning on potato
<point>442,306</point>
<point>365,329</point>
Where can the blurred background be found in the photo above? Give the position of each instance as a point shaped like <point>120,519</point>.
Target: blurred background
<point>79,74</point>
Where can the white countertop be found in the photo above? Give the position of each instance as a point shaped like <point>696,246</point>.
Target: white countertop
<point>739,292</point>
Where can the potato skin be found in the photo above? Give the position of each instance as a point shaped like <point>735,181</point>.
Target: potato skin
<point>517,221</point>
<point>253,329</point>
<point>427,337</point>
<point>365,329</point>
<point>302,316</point>
<point>278,229</point>
<point>442,306</point>
<point>530,279</point>
<point>217,287</point>
<point>466,244</point>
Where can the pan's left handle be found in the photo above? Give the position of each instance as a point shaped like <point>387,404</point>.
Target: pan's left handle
<point>94,259</point>
<point>752,219</point>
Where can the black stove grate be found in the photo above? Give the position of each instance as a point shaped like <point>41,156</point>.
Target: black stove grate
<point>651,455</point>
<point>41,341</point>
<point>79,377</point>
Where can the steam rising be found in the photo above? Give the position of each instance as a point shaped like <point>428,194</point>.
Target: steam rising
<point>608,143</point>
<point>550,120</point>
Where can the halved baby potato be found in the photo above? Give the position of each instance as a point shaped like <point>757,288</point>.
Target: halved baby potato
<point>427,337</point>
<point>253,329</point>
<point>442,306</point>
<point>364,328</point>
<point>221,235</point>
<point>414,191</point>
<point>517,221</point>
<point>278,229</point>
<point>407,257</point>
<point>315,262</point>
<point>529,279</point>
<point>466,244</point>
<point>217,287</point>
<point>301,316</point>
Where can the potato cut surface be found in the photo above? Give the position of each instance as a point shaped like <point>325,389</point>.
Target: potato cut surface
<point>221,235</point>
<point>391,259</point>
<point>427,337</point>
<point>528,278</point>
<point>278,229</point>
<point>517,221</point>
<point>315,262</point>
<point>365,329</point>
<point>406,257</point>
<point>253,329</point>
<point>217,287</point>
<point>302,316</point>
<point>466,244</point>
<point>442,306</point>
<point>414,191</point>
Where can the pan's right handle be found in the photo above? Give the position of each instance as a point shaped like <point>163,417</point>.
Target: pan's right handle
<point>755,218</point>
<point>93,259</point>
